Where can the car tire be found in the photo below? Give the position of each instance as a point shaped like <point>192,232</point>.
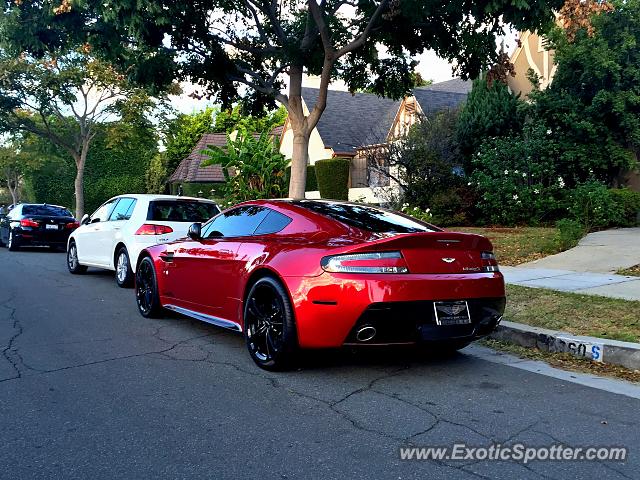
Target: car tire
<point>147,297</point>
<point>124,274</point>
<point>12,243</point>
<point>73,264</point>
<point>269,325</point>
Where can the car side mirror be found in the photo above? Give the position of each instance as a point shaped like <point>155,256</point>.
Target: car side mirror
<point>85,219</point>
<point>195,231</point>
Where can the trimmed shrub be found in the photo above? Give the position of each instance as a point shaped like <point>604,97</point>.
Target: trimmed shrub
<point>312,182</point>
<point>593,205</point>
<point>333,178</point>
<point>629,203</point>
<point>569,233</point>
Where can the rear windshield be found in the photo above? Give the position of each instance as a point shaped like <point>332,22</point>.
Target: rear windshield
<point>366,218</point>
<point>48,210</point>
<point>181,211</point>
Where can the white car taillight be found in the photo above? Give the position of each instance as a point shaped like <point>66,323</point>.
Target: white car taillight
<point>374,262</point>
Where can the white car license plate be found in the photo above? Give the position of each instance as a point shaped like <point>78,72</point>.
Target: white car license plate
<point>51,227</point>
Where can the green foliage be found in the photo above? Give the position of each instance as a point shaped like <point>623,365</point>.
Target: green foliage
<point>568,234</point>
<point>333,178</point>
<point>253,167</point>
<point>426,163</point>
<point>629,202</point>
<point>593,205</point>
<point>156,175</point>
<point>455,206</point>
<point>312,182</point>
<point>516,179</point>
<point>593,103</point>
<point>234,119</point>
<point>117,164</point>
<point>180,134</point>
<point>490,111</point>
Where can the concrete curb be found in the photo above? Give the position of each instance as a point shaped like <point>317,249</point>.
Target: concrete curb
<point>626,354</point>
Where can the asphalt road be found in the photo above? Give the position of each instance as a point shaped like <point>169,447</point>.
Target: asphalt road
<point>89,390</point>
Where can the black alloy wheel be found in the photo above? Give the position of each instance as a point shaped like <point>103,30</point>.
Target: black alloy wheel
<point>147,296</point>
<point>270,332</point>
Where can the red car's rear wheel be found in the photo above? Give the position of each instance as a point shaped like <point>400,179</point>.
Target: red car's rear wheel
<point>147,296</point>
<point>270,331</point>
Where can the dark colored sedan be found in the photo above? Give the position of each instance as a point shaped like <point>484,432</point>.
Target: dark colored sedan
<point>37,225</point>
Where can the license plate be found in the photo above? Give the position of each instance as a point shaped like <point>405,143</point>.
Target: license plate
<point>51,227</point>
<point>452,313</point>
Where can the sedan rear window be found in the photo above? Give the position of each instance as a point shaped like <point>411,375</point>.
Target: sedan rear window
<point>49,210</point>
<point>181,211</point>
<point>366,217</point>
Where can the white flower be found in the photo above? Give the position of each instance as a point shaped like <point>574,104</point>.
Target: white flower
<point>427,210</point>
<point>536,191</point>
<point>469,184</point>
<point>515,197</point>
<point>524,175</point>
<point>506,172</point>
<point>549,132</point>
<point>405,205</point>
<point>560,182</point>
<point>516,172</point>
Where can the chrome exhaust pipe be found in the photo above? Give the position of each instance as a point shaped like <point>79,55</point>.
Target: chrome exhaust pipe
<point>366,333</point>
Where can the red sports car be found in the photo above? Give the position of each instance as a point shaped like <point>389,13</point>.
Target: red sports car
<point>296,274</point>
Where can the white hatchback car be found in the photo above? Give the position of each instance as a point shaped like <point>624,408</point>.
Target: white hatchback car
<point>115,234</point>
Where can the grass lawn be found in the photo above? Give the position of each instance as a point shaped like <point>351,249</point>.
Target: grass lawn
<point>574,313</point>
<point>633,271</point>
<point>514,246</point>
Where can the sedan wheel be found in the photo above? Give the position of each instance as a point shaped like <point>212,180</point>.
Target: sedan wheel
<point>147,290</point>
<point>270,331</point>
<point>12,243</point>
<point>73,264</point>
<point>124,274</point>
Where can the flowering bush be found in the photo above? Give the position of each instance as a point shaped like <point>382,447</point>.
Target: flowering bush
<point>417,212</point>
<point>516,179</point>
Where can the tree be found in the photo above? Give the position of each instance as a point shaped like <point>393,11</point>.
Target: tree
<point>592,107</point>
<point>491,110</point>
<point>63,96</point>
<point>425,163</point>
<point>180,134</point>
<point>225,46</point>
<point>11,172</point>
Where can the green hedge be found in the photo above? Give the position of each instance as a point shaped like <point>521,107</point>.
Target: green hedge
<point>333,178</point>
<point>312,183</point>
<point>629,203</point>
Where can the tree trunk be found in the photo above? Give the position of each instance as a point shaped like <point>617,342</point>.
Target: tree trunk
<point>79,182</point>
<point>13,190</point>
<point>299,162</point>
<point>300,154</point>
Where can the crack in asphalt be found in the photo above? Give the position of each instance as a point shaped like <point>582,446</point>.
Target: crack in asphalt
<point>9,348</point>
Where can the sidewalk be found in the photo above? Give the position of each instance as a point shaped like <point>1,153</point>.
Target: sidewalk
<point>602,252</point>
<point>608,285</point>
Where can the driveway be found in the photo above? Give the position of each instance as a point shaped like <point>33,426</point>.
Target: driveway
<point>89,389</point>
<point>600,252</point>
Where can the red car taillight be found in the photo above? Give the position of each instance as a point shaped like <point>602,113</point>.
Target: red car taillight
<point>150,229</point>
<point>489,262</point>
<point>374,262</point>
<point>72,225</point>
<point>27,222</point>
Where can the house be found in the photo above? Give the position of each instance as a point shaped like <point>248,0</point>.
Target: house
<point>531,54</point>
<point>192,179</point>
<point>353,123</point>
